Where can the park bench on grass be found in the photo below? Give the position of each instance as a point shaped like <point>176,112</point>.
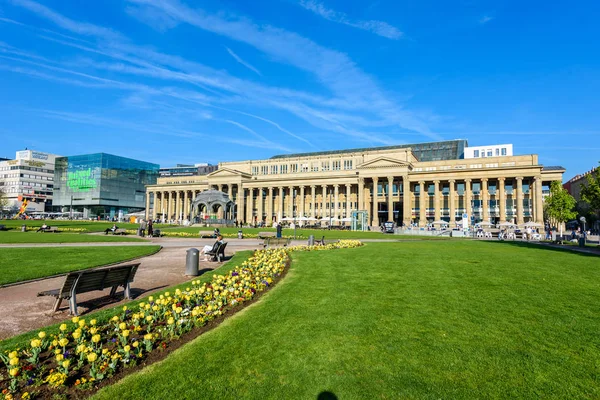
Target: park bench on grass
<point>52,229</point>
<point>264,235</point>
<point>91,280</point>
<point>274,242</point>
<point>217,254</point>
<point>206,234</point>
<point>156,233</point>
<point>120,231</point>
<point>320,242</point>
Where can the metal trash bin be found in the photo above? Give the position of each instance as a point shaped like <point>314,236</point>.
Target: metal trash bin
<point>191,262</point>
<point>311,240</point>
<point>240,235</point>
<point>582,242</point>
<point>23,228</point>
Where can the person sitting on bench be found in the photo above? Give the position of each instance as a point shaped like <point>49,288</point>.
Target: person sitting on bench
<point>43,228</point>
<point>213,248</point>
<point>113,229</point>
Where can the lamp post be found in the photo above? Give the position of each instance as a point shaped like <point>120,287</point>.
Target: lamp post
<point>71,210</point>
<point>294,211</point>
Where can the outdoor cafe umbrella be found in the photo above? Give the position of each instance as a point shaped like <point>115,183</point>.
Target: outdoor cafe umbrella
<point>484,223</point>
<point>440,222</point>
<point>534,225</point>
<point>347,219</point>
<point>507,224</point>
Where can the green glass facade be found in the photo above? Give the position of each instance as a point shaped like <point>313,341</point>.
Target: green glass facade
<point>102,184</point>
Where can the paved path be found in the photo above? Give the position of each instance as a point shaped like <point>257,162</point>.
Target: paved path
<point>21,310</point>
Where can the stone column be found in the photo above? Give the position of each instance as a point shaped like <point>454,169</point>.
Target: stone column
<point>270,206</point>
<point>186,205</point>
<point>406,201</point>
<point>375,220</point>
<point>230,191</point>
<point>451,201</point>
<point>147,211</point>
<point>280,211</point>
<point>260,204</point>
<point>422,205</point>
<point>336,201</point>
<point>240,204</point>
<point>361,194</point>
<point>348,206</point>
<point>436,201</point>
<point>539,201</point>
<point>177,205</point>
<point>323,201</point>
<point>313,195</point>
<point>485,196</point>
<point>501,199</point>
<point>155,209</point>
<point>290,202</point>
<point>171,204</point>
<point>468,193</point>
<point>390,198</point>
<point>250,211</point>
<point>519,200</point>
<point>302,202</point>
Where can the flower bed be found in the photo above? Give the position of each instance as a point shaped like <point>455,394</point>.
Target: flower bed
<point>83,353</point>
<point>167,233</point>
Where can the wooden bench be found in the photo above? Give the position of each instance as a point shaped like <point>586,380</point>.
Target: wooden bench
<point>206,234</point>
<point>320,242</point>
<point>274,242</point>
<point>219,253</point>
<point>120,231</point>
<point>264,235</point>
<point>156,233</point>
<point>91,280</point>
<point>52,229</point>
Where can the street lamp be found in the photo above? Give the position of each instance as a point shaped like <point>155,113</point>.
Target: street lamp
<point>294,211</point>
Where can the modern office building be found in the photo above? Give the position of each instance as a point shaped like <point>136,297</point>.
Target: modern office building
<point>30,176</point>
<point>188,170</point>
<point>416,183</point>
<point>102,184</point>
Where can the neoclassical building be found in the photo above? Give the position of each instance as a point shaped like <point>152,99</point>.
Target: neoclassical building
<point>417,183</point>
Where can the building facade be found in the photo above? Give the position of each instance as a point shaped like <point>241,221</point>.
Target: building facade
<point>30,176</point>
<point>408,184</point>
<point>102,184</point>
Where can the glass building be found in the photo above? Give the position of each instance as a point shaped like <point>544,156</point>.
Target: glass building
<point>102,185</point>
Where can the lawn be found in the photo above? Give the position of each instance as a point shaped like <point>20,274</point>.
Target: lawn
<point>33,237</point>
<point>444,319</point>
<point>21,264</point>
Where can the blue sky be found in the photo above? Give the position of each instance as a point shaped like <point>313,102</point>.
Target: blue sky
<point>173,82</point>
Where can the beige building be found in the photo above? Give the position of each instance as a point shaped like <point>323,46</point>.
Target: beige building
<point>417,184</point>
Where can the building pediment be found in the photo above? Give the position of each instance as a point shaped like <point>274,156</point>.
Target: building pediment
<point>228,173</point>
<point>385,162</point>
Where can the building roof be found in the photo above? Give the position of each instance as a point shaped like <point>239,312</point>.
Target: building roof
<point>430,151</point>
<point>553,168</point>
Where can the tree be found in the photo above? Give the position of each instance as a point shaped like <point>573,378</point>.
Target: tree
<point>590,192</point>
<point>560,204</point>
<point>3,201</point>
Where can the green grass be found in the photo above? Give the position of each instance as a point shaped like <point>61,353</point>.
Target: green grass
<point>104,315</point>
<point>34,237</point>
<point>21,264</point>
<point>415,320</point>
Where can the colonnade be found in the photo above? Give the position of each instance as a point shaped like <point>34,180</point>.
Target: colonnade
<point>336,200</point>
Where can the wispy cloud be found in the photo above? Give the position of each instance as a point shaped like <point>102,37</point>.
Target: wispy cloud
<point>263,141</point>
<point>244,63</point>
<point>485,19</point>
<point>377,27</point>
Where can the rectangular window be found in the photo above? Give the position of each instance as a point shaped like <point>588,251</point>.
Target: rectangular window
<point>347,164</point>
<point>497,152</point>
<point>304,168</point>
<point>476,187</point>
<point>337,165</point>
<point>283,168</point>
<point>254,170</point>
<point>476,153</point>
<point>273,169</point>
<point>264,170</point>
<point>293,168</point>
<point>325,166</point>
<point>460,188</point>
<point>489,153</point>
<point>504,151</point>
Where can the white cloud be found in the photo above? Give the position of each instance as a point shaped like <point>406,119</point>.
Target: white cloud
<point>485,19</point>
<point>244,63</point>
<point>377,27</point>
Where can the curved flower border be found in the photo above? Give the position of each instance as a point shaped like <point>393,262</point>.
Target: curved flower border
<point>83,353</point>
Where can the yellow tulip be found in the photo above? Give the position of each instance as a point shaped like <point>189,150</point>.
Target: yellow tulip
<point>63,342</point>
<point>92,357</point>
<point>96,338</point>
<point>42,335</point>
<point>13,362</point>
<point>77,334</point>
<point>59,357</point>
<point>127,348</point>
<point>14,372</point>
<point>104,351</point>
<point>35,343</point>
<point>93,322</point>
<point>148,336</point>
<point>63,327</point>
<point>82,323</point>
<point>66,364</point>
<point>122,325</point>
<point>135,344</point>
<point>75,320</point>
<point>170,321</point>
<point>125,333</point>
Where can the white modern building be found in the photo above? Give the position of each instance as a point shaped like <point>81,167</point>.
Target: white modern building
<point>496,150</point>
<point>29,176</point>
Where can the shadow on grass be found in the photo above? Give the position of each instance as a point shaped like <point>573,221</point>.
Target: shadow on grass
<point>326,396</point>
<point>548,247</point>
